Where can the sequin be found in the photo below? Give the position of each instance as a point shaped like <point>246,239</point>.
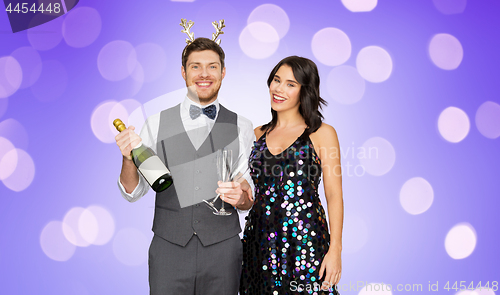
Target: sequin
<point>286,235</point>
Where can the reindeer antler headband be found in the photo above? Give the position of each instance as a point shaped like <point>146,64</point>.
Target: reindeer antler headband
<point>188,24</point>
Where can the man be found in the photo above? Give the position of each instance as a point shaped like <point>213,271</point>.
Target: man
<point>193,251</point>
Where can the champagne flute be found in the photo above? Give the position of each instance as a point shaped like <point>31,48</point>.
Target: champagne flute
<point>225,162</point>
<point>234,175</point>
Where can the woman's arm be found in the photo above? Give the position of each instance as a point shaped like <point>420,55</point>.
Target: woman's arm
<point>326,145</point>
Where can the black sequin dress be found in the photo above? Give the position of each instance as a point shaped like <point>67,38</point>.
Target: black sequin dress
<point>286,234</point>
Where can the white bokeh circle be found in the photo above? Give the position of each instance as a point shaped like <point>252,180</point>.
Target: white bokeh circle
<point>450,6</point>
<point>47,35</point>
<point>273,15</point>
<point>374,64</point>
<point>416,195</point>
<point>96,225</point>
<point>379,156</point>
<point>117,60</point>
<point>81,26</point>
<point>11,76</point>
<point>130,246</point>
<point>460,241</point>
<point>8,160</point>
<point>88,226</point>
<point>345,85</point>
<point>446,51</point>
<point>360,5</point>
<point>153,60</point>
<point>15,132</point>
<point>24,173</point>
<point>71,229</point>
<point>31,63</point>
<point>453,124</point>
<point>488,119</point>
<point>259,40</point>
<point>331,46</point>
<point>54,243</point>
<point>102,119</point>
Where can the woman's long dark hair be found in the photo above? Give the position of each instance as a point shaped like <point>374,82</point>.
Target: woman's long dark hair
<point>306,73</point>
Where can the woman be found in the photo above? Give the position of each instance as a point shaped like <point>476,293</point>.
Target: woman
<point>286,245</point>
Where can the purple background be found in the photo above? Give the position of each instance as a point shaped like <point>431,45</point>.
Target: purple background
<point>73,168</point>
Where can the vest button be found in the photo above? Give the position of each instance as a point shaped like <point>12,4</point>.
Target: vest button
<point>198,171</point>
<point>195,233</point>
<point>196,221</point>
<point>197,188</point>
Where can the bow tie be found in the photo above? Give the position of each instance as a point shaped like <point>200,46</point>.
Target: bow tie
<point>195,111</point>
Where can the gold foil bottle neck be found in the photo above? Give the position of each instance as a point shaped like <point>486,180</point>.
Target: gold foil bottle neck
<point>119,125</point>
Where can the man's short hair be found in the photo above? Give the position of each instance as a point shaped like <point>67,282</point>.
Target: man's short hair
<point>201,44</point>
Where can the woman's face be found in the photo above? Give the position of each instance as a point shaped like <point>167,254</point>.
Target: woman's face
<point>284,90</point>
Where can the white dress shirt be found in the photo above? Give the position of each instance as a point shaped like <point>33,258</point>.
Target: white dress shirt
<point>197,134</point>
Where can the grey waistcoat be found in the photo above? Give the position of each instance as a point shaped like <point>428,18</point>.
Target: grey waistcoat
<point>178,213</point>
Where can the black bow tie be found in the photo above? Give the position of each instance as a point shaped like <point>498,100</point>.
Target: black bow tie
<point>195,111</point>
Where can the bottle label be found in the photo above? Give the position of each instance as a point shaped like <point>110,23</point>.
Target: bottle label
<point>152,169</point>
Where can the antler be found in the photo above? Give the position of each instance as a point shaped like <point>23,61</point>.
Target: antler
<point>187,26</point>
<point>218,30</point>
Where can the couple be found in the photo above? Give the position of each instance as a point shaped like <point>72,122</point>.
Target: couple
<point>286,246</point>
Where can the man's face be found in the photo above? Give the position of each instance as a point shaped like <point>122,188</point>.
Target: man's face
<point>203,76</point>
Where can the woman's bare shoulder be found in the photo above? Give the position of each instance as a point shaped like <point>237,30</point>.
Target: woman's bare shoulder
<point>258,132</point>
<point>325,136</point>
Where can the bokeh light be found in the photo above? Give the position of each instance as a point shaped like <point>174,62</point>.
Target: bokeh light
<point>81,26</point>
<point>117,60</point>
<point>96,225</point>
<point>445,51</point>
<point>130,246</point>
<point>331,46</point>
<point>153,60</point>
<point>47,35</point>
<point>71,229</point>
<point>87,226</point>
<point>102,119</point>
<point>31,64</point>
<point>54,243</point>
<point>259,40</point>
<point>21,167</point>
<point>488,119</point>
<point>273,15</point>
<point>460,241</point>
<point>374,64</point>
<point>377,156</point>
<point>416,195</point>
<point>11,76</point>
<point>453,124</point>
<point>15,132</point>
<point>137,78</point>
<point>52,82</point>
<point>450,6</point>
<point>7,164</point>
<point>360,5</point>
<point>354,234</point>
<point>130,105</point>
<point>345,85</point>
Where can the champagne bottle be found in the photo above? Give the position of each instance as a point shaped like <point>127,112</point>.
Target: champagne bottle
<point>148,164</point>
